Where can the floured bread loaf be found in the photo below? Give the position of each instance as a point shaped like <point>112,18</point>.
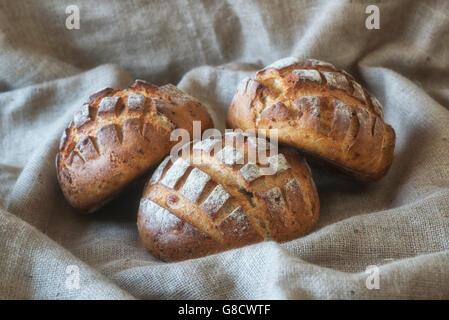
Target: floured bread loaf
<point>118,135</point>
<point>214,199</point>
<point>320,110</point>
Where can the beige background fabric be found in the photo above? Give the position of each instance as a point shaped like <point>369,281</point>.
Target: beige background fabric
<point>400,224</point>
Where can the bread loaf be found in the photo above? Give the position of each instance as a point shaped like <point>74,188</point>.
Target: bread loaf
<point>118,135</point>
<point>214,199</point>
<point>320,110</point>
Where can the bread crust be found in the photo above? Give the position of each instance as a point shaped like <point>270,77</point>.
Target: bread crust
<point>321,111</point>
<point>118,135</point>
<point>192,208</point>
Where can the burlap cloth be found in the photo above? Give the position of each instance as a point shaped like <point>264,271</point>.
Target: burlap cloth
<point>400,224</point>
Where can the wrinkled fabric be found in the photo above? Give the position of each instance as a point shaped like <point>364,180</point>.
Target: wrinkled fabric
<point>399,225</point>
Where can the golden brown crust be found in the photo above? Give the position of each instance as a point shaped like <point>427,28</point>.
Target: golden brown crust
<point>118,135</point>
<point>319,110</point>
<point>192,208</point>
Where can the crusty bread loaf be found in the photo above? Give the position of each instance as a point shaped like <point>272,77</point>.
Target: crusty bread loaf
<point>118,135</point>
<point>319,110</point>
<point>212,200</point>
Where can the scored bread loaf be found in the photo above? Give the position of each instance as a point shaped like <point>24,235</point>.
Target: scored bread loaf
<point>215,199</point>
<point>320,110</point>
<point>118,135</point>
